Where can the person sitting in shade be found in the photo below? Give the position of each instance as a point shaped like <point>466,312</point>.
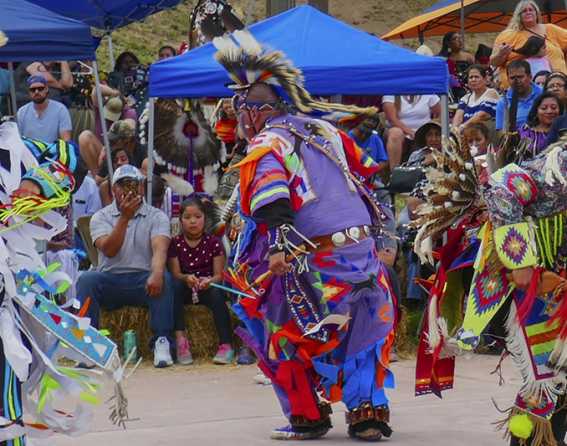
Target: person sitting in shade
<point>132,239</point>
<point>368,139</point>
<point>43,119</point>
<point>520,96</point>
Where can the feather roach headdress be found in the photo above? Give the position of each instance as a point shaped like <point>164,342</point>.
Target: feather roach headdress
<point>247,63</point>
<point>452,191</point>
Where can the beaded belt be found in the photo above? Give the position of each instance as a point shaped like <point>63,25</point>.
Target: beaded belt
<point>342,238</point>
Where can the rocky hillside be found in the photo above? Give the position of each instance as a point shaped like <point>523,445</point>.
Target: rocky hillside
<point>170,27</point>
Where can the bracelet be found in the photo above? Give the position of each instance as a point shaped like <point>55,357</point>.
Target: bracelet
<point>276,244</point>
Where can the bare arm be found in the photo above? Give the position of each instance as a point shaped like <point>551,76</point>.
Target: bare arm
<point>37,68</point>
<point>66,80</point>
<point>458,118</point>
<point>106,92</point>
<point>160,243</point>
<point>218,267</point>
<point>154,285</point>
<point>436,110</point>
<point>480,116</point>
<point>500,54</point>
<point>175,268</point>
<point>392,116</point>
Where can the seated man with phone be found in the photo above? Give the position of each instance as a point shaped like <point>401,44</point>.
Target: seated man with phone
<point>132,239</point>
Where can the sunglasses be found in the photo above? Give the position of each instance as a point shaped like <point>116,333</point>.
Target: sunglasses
<point>36,89</point>
<point>239,103</point>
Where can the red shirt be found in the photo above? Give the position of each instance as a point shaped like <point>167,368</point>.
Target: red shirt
<point>197,260</point>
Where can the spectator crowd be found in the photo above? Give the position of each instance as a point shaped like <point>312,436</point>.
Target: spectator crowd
<point>162,255</point>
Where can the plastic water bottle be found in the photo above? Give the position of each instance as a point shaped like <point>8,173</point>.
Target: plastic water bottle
<point>130,343</point>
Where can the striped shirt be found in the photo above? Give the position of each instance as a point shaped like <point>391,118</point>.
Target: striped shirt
<point>471,105</point>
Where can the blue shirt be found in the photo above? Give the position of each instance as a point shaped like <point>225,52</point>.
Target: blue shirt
<point>47,127</point>
<point>373,146</point>
<point>524,106</point>
<point>558,128</point>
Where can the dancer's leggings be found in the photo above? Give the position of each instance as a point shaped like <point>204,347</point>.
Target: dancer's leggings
<point>11,397</point>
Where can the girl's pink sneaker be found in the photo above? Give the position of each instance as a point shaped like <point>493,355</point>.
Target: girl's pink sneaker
<point>184,356</point>
<point>225,355</point>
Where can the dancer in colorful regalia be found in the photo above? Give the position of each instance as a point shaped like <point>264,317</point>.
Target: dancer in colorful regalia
<point>319,311</point>
<point>512,233</point>
<point>39,338</point>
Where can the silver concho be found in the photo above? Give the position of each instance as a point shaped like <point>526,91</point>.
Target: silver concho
<point>354,233</point>
<point>338,238</point>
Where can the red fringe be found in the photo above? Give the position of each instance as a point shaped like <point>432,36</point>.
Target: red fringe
<point>560,315</point>
<point>530,296</point>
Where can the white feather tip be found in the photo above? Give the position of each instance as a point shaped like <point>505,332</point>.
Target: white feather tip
<point>178,185</point>
<point>247,42</point>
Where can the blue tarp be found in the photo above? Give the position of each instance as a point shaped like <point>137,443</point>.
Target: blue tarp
<point>334,57</point>
<point>107,14</point>
<point>34,33</point>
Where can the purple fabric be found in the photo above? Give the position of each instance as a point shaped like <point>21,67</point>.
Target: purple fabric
<point>336,206</point>
<point>342,281</point>
<point>538,139</point>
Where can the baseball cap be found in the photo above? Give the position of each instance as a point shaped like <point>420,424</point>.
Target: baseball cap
<point>36,79</point>
<point>122,129</point>
<point>127,171</point>
<point>113,109</point>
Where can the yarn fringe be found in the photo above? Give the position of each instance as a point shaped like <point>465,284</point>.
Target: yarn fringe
<point>542,434</point>
<point>519,351</point>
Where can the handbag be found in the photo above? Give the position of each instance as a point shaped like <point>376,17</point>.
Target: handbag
<point>404,179</point>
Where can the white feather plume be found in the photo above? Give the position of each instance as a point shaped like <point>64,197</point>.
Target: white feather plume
<point>226,46</point>
<point>177,184</point>
<point>552,167</point>
<point>211,182</point>
<point>247,42</point>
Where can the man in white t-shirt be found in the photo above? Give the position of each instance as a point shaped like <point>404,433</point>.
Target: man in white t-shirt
<point>405,114</point>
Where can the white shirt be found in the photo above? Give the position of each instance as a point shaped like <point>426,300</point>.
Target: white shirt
<point>415,114</point>
<point>86,201</point>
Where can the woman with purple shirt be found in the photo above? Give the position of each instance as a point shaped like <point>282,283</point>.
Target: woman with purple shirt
<point>546,108</point>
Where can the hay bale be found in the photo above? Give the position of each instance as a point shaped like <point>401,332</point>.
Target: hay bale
<point>198,319</point>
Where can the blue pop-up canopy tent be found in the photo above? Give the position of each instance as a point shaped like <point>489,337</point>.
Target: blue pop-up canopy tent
<point>35,33</point>
<point>334,57</point>
<point>107,14</point>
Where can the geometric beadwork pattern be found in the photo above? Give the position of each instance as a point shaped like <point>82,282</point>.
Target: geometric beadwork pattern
<point>488,290</point>
<point>521,185</point>
<point>514,246</point>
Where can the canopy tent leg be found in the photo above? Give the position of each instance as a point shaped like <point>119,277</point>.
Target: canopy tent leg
<point>110,51</point>
<point>151,130</point>
<point>463,21</point>
<point>13,89</point>
<point>444,116</point>
<point>102,120</point>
